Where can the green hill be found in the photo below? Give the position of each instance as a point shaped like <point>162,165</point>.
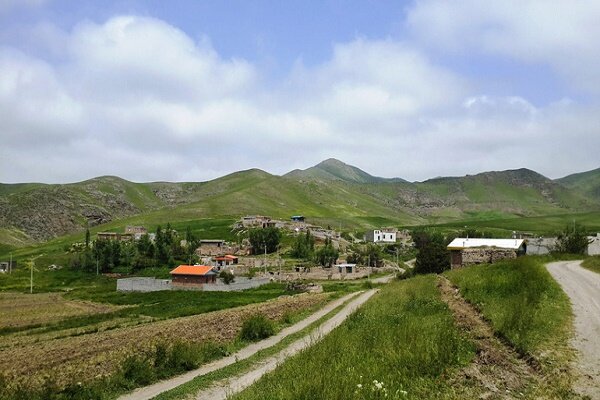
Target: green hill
<point>587,183</point>
<point>330,193</point>
<point>335,170</point>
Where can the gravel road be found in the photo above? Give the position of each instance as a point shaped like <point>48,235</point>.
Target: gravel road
<point>583,287</point>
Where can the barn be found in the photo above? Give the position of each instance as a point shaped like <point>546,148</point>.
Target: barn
<point>466,251</point>
<point>193,275</point>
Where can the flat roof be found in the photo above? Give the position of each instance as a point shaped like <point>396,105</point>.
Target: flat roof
<point>467,243</point>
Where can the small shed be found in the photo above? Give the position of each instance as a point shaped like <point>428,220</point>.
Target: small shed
<point>465,251</point>
<point>346,268</point>
<point>298,218</point>
<point>228,259</point>
<point>193,275</point>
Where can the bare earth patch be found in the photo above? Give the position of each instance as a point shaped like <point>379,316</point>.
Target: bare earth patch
<point>497,368</point>
<point>86,357</point>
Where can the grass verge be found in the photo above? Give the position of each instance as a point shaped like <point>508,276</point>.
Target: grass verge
<point>401,344</point>
<point>592,263</point>
<point>528,309</point>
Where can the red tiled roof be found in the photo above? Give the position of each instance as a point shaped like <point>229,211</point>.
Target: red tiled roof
<point>230,256</point>
<point>192,270</point>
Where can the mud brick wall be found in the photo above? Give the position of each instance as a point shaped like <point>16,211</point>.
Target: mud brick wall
<point>486,255</point>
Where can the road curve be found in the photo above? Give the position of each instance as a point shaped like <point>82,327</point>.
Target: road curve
<point>583,288</point>
<point>225,389</point>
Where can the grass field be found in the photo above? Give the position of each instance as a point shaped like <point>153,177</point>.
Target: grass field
<point>401,344</point>
<point>528,308</point>
<point>592,263</point>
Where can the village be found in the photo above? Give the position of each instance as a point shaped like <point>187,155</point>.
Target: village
<point>238,265</point>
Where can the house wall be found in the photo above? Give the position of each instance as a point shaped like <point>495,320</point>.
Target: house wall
<point>183,280</point>
<point>485,255</point>
<point>594,247</point>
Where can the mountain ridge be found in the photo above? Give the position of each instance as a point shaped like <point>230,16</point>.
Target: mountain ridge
<point>330,191</point>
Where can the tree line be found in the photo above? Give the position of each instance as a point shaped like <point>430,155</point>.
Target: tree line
<point>167,249</point>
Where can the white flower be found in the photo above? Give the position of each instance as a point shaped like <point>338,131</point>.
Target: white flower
<point>359,386</point>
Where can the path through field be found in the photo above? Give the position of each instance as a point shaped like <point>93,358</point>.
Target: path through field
<point>583,287</point>
<point>151,391</point>
<point>222,390</point>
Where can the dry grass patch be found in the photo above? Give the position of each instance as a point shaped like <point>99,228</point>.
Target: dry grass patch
<point>21,310</point>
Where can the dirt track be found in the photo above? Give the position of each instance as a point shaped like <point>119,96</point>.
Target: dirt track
<point>583,287</point>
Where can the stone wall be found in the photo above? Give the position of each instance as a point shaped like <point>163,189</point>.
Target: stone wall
<point>143,284</point>
<point>486,255</point>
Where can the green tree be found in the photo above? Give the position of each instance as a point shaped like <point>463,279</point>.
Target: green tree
<point>327,255</point>
<point>572,240</point>
<point>304,246</point>
<point>432,254</point>
<point>261,238</point>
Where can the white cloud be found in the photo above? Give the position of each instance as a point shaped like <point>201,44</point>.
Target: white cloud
<point>559,33</point>
<point>138,98</point>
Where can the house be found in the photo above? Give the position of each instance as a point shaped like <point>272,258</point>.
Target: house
<point>297,218</point>
<point>210,247</point>
<point>385,235</point>
<point>136,231</point>
<point>193,276</point>
<point>7,266</point>
<point>252,221</point>
<point>346,268</point>
<point>594,245</point>
<point>465,251</point>
<point>225,260</point>
<point>122,237</point>
<point>539,246</point>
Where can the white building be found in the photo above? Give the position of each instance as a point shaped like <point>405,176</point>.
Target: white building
<point>381,236</point>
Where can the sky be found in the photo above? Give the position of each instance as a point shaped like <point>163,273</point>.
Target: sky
<point>193,90</point>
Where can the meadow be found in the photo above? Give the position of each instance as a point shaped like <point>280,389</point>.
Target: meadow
<point>529,310</point>
<point>402,344</point>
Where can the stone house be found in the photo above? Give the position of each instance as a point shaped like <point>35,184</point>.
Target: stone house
<point>465,251</point>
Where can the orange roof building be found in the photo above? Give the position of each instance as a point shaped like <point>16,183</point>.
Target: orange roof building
<point>193,275</point>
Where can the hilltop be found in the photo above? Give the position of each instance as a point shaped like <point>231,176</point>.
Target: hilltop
<point>336,170</point>
<point>331,192</point>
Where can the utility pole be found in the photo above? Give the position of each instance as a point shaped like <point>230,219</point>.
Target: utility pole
<point>369,267</point>
<point>10,264</point>
<point>265,259</point>
<point>31,279</point>
<point>97,269</point>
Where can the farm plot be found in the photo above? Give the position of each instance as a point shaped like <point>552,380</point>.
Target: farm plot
<point>18,310</point>
<point>93,356</point>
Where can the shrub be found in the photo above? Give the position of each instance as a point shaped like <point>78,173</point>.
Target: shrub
<point>257,327</point>
<point>137,370</point>
<point>227,277</point>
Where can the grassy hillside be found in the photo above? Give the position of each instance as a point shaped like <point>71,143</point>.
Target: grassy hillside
<point>587,183</point>
<point>335,170</point>
<point>331,193</point>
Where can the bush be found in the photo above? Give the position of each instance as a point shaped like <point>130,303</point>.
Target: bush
<point>227,277</point>
<point>257,327</point>
<point>137,370</point>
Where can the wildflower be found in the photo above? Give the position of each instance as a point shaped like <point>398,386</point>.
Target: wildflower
<point>359,386</point>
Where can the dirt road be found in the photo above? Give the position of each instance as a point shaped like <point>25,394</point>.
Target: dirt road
<point>224,389</point>
<point>151,391</point>
<point>583,287</point>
